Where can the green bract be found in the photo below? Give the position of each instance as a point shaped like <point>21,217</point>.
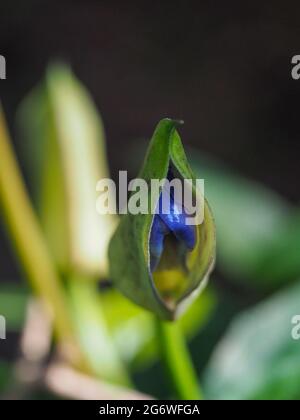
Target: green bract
<point>175,282</point>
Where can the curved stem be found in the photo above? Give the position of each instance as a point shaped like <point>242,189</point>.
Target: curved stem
<point>177,361</point>
<point>31,249</point>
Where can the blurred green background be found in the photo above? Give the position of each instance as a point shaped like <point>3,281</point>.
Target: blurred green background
<point>225,70</point>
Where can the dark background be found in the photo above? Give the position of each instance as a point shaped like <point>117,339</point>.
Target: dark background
<point>223,67</point>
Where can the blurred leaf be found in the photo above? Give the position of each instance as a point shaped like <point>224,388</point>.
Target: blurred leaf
<point>93,333</point>
<point>250,221</point>
<point>125,319</point>
<point>257,358</point>
<point>13,301</point>
<point>28,241</point>
<point>64,143</point>
<point>5,375</point>
<point>281,260</point>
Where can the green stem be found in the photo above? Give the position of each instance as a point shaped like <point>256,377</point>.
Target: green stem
<point>177,361</point>
<point>31,249</point>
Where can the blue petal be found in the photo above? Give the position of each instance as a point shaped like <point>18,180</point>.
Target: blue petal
<point>158,232</point>
<point>173,222</point>
<point>176,222</point>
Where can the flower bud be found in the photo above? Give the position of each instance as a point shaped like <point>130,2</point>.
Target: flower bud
<point>160,260</point>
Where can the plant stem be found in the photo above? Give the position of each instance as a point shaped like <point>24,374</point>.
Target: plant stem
<point>25,233</point>
<point>177,361</point>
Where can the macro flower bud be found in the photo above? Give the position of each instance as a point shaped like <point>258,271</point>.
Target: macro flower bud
<point>161,260</point>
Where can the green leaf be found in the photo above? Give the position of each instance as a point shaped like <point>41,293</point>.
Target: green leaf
<point>129,248</point>
<point>250,221</point>
<point>280,261</point>
<point>13,301</point>
<point>92,330</point>
<point>258,358</point>
<point>5,375</point>
<point>65,153</point>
